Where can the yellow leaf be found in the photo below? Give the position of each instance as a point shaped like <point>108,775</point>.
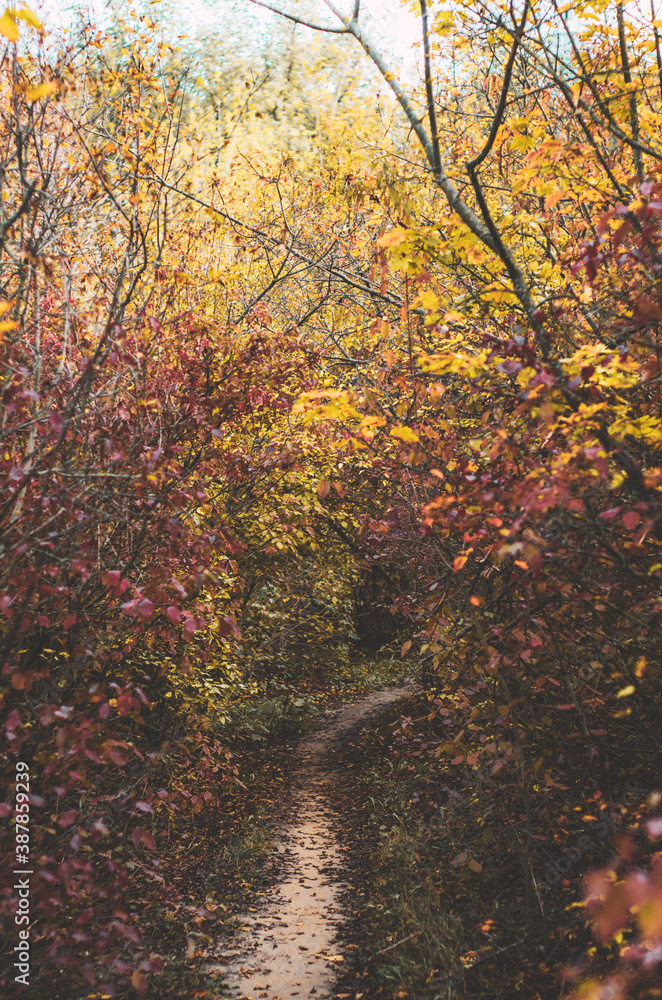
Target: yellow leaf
<point>25,14</point>
<point>405,434</point>
<point>626,691</point>
<point>497,293</point>
<point>42,90</point>
<point>8,26</point>
<point>650,918</point>
<point>593,988</point>
<point>429,300</point>
<point>523,142</point>
<point>7,326</point>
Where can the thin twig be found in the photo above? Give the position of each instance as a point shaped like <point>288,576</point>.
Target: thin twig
<point>390,947</point>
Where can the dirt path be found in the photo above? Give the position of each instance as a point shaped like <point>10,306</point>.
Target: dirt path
<point>286,947</point>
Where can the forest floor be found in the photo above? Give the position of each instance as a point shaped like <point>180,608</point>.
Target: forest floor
<point>287,944</point>
<point>346,866</point>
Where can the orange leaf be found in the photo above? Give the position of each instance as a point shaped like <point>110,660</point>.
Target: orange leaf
<point>139,981</point>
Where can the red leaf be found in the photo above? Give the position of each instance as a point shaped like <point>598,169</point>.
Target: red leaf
<point>131,933</point>
<point>67,818</point>
<point>144,807</point>
<point>174,614</point>
<point>148,840</point>
<point>12,721</point>
<point>87,972</point>
<point>228,626</point>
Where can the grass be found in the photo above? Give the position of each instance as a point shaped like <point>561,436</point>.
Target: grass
<point>405,929</point>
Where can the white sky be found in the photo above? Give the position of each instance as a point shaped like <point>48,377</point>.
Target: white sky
<point>398,28</point>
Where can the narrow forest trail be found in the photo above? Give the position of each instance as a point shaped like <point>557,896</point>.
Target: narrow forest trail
<point>286,947</point>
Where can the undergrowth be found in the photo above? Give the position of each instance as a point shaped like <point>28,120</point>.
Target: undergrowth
<point>441,897</point>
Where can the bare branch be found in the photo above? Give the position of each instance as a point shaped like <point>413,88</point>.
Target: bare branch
<point>432,114</point>
<point>501,107</point>
<point>298,20</point>
<point>515,273</point>
<point>627,79</point>
<point>656,35</point>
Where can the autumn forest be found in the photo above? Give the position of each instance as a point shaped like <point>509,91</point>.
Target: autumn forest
<point>331,500</point>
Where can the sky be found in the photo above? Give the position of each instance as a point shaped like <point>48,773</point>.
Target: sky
<point>398,29</point>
